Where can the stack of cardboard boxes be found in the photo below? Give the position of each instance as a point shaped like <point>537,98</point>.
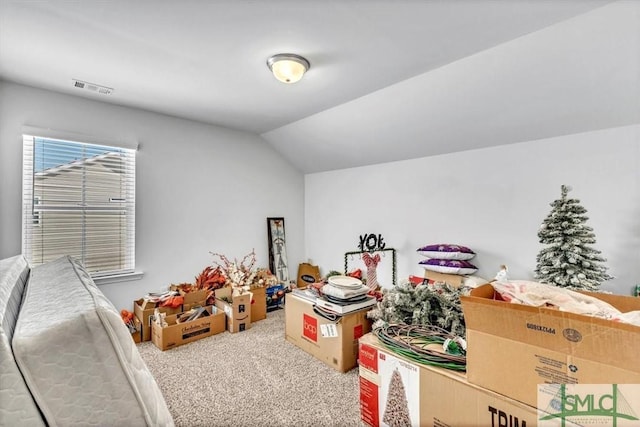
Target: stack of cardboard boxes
<point>232,311</point>
<point>517,357</point>
<point>397,391</point>
<point>513,347</point>
<point>177,333</point>
<point>237,308</point>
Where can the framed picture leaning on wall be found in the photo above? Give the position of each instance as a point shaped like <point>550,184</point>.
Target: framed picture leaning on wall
<point>277,250</point>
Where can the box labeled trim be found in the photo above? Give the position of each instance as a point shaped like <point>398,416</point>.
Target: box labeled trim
<point>397,391</point>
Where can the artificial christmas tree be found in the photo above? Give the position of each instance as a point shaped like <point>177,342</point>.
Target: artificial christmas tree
<point>396,413</point>
<point>568,260</point>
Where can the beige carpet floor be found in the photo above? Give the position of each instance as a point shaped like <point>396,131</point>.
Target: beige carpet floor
<point>252,378</point>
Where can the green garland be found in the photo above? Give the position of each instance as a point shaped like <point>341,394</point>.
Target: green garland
<point>412,342</point>
<point>438,304</point>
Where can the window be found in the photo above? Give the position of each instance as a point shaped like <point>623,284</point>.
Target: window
<point>79,200</point>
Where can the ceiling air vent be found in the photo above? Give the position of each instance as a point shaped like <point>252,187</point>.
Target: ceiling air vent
<point>92,87</point>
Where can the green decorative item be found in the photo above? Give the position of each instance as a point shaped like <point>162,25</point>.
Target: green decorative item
<point>568,260</point>
<point>437,305</point>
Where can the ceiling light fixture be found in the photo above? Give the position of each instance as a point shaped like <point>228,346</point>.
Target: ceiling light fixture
<point>288,67</point>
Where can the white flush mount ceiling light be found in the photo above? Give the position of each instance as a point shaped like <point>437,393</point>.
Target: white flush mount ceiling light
<point>288,67</point>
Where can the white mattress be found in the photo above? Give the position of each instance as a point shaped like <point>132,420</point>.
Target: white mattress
<point>77,356</point>
<point>16,404</point>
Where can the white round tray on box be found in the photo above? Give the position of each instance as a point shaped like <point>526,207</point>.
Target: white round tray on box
<point>345,282</point>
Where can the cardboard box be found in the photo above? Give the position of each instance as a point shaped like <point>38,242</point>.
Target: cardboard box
<point>307,274</point>
<point>189,306</point>
<point>137,335</point>
<point>511,348</point>
<point>195,297</point>
<point>192,298</point>
<point>143,310</point>
<point>397,391</point>
<point>334,343</point>
<point>454,280</point>
<point>259,304</point>
<point>238,313</point>
<point>177,334</point>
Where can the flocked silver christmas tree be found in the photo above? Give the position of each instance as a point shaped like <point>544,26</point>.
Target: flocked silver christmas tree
<point>568,260</point>
<point>396,413</point>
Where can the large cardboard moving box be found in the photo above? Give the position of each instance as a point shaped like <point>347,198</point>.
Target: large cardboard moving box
<point>396,391</point>
<point>334,343</point>
<point>511,348</point>
<point>176,334</point>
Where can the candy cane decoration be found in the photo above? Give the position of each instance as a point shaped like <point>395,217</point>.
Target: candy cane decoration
<point>372,263</point>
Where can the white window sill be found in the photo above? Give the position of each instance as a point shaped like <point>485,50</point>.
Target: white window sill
<point>104,280</point>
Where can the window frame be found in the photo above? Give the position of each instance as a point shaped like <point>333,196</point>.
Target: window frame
<point>33,220</point>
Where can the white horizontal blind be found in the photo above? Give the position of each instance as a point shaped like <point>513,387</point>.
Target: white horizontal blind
<point>79,200</point>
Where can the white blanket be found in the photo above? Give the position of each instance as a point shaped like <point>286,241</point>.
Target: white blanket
<point>543,295</point>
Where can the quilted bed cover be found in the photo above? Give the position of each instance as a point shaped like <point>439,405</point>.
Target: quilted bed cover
<point>16,404</point>
<point>77,357</point>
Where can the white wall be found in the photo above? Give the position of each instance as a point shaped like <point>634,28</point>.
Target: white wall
<point>200,188</point>
<point>215,193</point>
<point>492,200</point>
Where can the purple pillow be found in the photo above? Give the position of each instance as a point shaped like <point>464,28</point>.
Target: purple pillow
<point>443,251</point>
<point>449,266</point>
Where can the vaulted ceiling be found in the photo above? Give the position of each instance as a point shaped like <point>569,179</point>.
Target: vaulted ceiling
<point>389,80</point>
